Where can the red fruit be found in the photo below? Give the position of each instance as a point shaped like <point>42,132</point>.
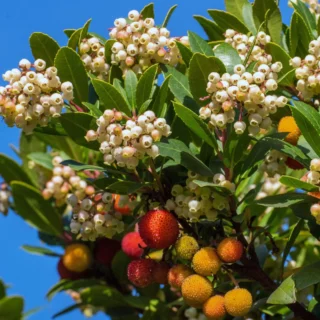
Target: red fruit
<point>159,229</point>
<point>125,210</point>
<point>140,272</point>
<point>160,272</point>
<point>64,273</point>
<point>294,164</point>
<point>132,245</point>
<point>105,250</point>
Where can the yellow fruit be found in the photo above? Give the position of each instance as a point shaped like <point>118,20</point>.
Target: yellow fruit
<point>288,124</point>
<point>230,250</point>
<point>206,262</point>
<point>186,247</point>
<point>238,302</point>
<point>77,258</point>
<point>196,290</point>
<point>214,308</point>
<point>177,274</point>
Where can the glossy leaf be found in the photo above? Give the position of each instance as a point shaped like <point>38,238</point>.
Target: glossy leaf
<point>107,50</point>
<point>284,294</point>
<point>298,184</point>
<point>41,158</point>
<point>185,52</point>
<point>307,276</point>
<point>161,98</point>
<point>228,55</point>
<point>84,31</point>
<point>168,16</point>
<point>227,20</point>
<point>285,200</point>
<point>11,308</point>
<point>235,7</point>
<point>213,31</point>
<point>130,84</point>
<point>148,11</point>
<point>78,166</point>
<point>40,251</point>
<point>197,44</point>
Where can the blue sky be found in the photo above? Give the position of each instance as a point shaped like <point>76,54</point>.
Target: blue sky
<point>29,275</point>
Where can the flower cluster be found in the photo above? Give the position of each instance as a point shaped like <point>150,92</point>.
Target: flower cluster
<point>243,44</point>
<point>192,202</point>
<point>126,143</point>
<point>307,71</point>
<point>271,186</point>
<point>313,176</point>
<point>193,314</point>
<point>246,92</point>
<point>139,43</point>
<point>314,6</point>
<point>65,181</point>
<point>93,55</point>
<point>274,163</point>
<point>99,214</point>
<point>5,195</point>
<point>33,95</point>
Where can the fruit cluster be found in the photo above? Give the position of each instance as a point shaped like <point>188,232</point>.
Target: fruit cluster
<point>139,43</point>
<point>126,142</point>
<point>93,55</point>
<point>5,195</point>
<point>192,202</point>
<point>248,93</point>
<point>34,95</point>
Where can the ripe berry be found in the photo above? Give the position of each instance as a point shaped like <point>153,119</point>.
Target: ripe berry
<point>160,272</point>
<point>186,247</point>
<point>288,124</point>
<point>123,209</point>
<point>214,308</point>
<point>140,272</point>
<point>294,164</point>
<point>238,302</point>
<point>132,245</point>
<point>230,250</point>
<point>105,250</point>
<point>159,229</point>
<point>196,290</point>
<point>77,258</point>
<point>206,262</point>
<point>177,274</point>
<point>64,273</point>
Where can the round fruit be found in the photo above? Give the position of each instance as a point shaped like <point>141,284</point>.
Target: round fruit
<point>196,290</point>
<point>160,272</point>
<point>105,250</point>
<point>159,229</point>
<point>230,250</point>
<point>214,308</point>
<point>294,164</point>
<point>206,262</point>
<point>238,302</point>
<point>140,272</point>
<point>186,247</point>
<point>132,245</point>
<point>125,210</point>
<point>77,258</point>
<point>177,274</point>
<point>288,124</point>
<point>64,273</point>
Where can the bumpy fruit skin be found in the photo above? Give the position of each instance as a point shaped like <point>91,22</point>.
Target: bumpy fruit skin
<point>77,258</point>
<point>132,245</point>
<point>159,229</point>
<point>64,273</point>
<point>196,290</point>
<point>206,262</point>
<point>125,210</point>
<point>214,308</point>
<point>294,164</point>
<point>160,272</point>
<point>177,274</point>
<point>230,250</point>
<point>105,250</point>
<point>186,247</point>
<point>238,302</point>
<point>288,124</point>
<point>140,272</point>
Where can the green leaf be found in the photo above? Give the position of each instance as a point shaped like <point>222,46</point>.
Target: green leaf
<point>3,290</point>
<point>11,308</point>
<point>227,20</point>
<point>197,44</point>
<point>145,85</point>
<point>94,108</point>
<point>248,17</point>
<point>74,39</point>
<point>307,276</point>
<point>119,266</point>
<point>194,164</point>
<point>212,30</point>
<point>40,251</point>
<point>160,98</point>
<point>148,11</point>
<point>41,158</point>
<point>185,52</point>
<point>68,309</point>
<point>130,84</point>
<point>124,187</point>
<point>172,149</point>
<point>31,206</point>
<point>70,68</point>
<point>110,96</point>
<point>298,184</point>
<point>285,200</point>
<point>308,121</point>
<point>77,125</point>
<point>69,32</point>
<point>145,106</point>
<point>168,16</point>
<point>215,187</point>
<point>43,47</point>
<point>11,171</point>
<point>200,68</point>
<point>84,31</point>
<point>228,55</point>
<point>78,166</point>
<point>284,294</point>
<point>195,124</point>
<point>293,236</point>
<point>107,50</point>
<point>268,10</point>
<point>236,7</point>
